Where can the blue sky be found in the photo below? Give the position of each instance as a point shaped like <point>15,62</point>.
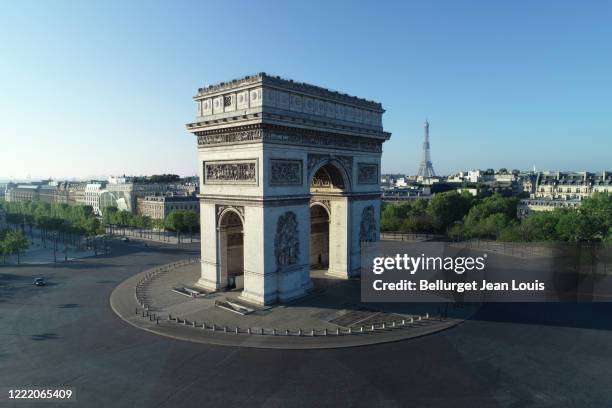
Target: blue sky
<point>94,88</point>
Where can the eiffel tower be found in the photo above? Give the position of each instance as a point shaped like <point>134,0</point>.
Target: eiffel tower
<point>426,168</point>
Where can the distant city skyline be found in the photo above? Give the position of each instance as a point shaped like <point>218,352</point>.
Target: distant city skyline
<point>93,89</point>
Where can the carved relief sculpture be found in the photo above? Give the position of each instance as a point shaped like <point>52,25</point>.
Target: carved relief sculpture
<point>287,241</point>
<point>367,173</point>
<point>368,231</point>
<point>230,172</point>
<point>285,172</point>
<point>285,135</point>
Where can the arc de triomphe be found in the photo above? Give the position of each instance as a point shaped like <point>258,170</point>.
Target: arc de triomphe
<point>289,177</point>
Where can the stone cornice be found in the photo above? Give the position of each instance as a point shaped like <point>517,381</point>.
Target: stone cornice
<point>287,84</point>
<point>268,133</point>
<point>310,123</point>
<point>256,201</point>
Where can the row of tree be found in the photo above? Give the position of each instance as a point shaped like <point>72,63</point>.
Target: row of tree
<point>179,221</point>
<point>54,221</point>
<point>462,216</point>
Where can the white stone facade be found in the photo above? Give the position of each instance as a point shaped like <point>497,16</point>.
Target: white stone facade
<point>269,150</point>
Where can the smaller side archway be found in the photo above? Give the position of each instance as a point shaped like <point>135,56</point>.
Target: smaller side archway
<point>231,249</point>
<point>319,236</point>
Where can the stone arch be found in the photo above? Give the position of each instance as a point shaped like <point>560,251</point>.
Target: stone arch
<point>225,211</point>
<point>322,203</point>
<point>231,248</point>
<point>320,218</point>
<point>335,169</point>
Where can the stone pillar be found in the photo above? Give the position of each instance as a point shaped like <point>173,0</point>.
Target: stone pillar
<point>209,245</point>
<point>339,238</point>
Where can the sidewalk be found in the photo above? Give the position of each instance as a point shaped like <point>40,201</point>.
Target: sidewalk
<point>37,254</point>
<point>153,236</point>
<point>332,316</point>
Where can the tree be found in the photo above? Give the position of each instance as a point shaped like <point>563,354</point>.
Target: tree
<point>406,217</point>
<point>15,242</point>
<point>108,217</point>
<point>575,226</point>
<point>598,209</point>
<point>190,220</point>
<point>175,222</point>
<point>447,208</point>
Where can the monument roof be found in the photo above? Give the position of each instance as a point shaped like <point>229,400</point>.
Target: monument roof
<point>289,84</point>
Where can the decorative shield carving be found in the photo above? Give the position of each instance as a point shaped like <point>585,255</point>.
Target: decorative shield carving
<point>287,241</point>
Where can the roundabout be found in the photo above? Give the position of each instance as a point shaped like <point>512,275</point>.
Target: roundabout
<point>161,301</point>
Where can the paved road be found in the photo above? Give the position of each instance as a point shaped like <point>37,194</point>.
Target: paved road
<point>511,356</point>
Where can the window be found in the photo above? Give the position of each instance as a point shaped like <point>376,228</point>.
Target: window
<point>227,100</point>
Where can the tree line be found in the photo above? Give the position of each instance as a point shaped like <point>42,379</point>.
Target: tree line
<point>461,216</point>
<point>179,221</point>
<point>68,221</point>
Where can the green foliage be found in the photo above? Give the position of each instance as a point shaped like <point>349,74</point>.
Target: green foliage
<point>408,217</point>
<point>158,178</point>
<point>463,217</point>
<point>53,217</point>
<point>175,220</point>
<point>445,209</point>
<point>489,217</point>
<point>14,242</point>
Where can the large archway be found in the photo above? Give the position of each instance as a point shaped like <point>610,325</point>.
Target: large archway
<point>328,185</point>
<point>231,250</point>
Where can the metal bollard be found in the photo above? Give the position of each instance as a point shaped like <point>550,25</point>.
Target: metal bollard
<point>384,326</point>
<point>249,330</point>
<point>224,329</point>
<point>373,328</point>
<point>299,332</point>
<point>169,317</point>
<point>403,322</point>
<point>214,327</point>
<point>286,332</point>
<point>261,331</point>
<point>393,324</point>
<point>361,329</point>
<point>136,310</point>
<point>157,320</point>
<point>274,332</point>
<point>325,332</point>
<point>312,333</point>
<point>338,331</point>
<point>185,322</point>
<point>194,323</point>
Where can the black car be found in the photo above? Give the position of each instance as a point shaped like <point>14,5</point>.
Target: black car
<point>39,282</point>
